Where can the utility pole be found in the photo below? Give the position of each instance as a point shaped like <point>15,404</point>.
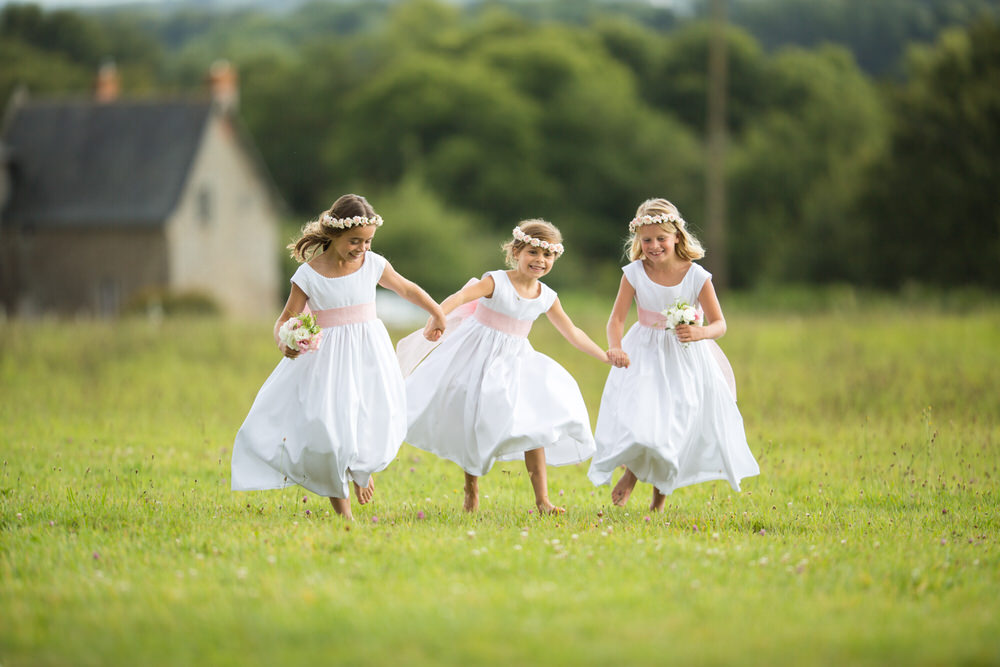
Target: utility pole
<point>715,177</point>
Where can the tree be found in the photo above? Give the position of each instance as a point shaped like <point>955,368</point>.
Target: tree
<point>934,197</point>
<point>799,172</point>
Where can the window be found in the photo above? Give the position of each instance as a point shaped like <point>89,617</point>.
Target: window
<point>205,206</point>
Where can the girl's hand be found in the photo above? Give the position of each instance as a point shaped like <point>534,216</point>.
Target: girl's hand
<point>619,358</point>
<point>289,352</point>
<point>688,334</point>
<point>435,328</point>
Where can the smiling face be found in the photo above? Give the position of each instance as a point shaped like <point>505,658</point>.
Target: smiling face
<point>352,245</point>
<point>534,262</point>
<point>656,242</point>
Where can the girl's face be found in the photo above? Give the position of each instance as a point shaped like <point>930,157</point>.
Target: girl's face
<point>534,262</point>
<point>657,243</point>
<point>352,245</point>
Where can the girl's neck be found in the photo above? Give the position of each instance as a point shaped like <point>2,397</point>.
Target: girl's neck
<point>672,267</point>
<point>526,286</point>
<point>332,265</point>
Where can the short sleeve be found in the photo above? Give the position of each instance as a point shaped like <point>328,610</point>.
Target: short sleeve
<point>630,272</point>
<point>699,276</point>
<point>548,297</point>
<point>301,278</point>
<point>378,263</point>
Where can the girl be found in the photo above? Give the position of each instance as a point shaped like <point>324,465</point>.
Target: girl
<point>670,419</point>
<point>484,394</point>
<point>338,414</point>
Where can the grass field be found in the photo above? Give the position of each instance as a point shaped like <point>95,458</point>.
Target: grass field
<point>871,536</point>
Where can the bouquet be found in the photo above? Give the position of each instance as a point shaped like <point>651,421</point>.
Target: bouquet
<point>301,333</point>
<point>683,313</point>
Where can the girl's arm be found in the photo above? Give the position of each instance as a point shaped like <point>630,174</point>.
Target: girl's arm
<point>574,334</point>
<point>715,323</point>
<point>470,292</point>
<point>296,304</point>
<point>616,323</point>
<point>415,294</point>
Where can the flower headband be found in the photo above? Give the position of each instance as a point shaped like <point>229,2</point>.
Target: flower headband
<point>640,220</point>
<point>519,234</point>
<point>356,221</point>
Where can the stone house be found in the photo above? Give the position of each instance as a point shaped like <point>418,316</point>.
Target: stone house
<point>105,201</point>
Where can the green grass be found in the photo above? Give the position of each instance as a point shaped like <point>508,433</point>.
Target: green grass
<point>871,536</point>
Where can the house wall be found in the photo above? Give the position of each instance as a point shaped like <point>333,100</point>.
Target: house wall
<point>91,272</point>
<point>223,236</point>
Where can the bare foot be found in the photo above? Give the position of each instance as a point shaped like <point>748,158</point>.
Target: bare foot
<point>342,506</point>
<point>365,495</point>
<point>659,500</point>
<point>623,489</point>
<point>546,507</point>
<point>471,503</point>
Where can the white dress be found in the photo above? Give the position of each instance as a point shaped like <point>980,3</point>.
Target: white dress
<point>329,416</point>
<point>670,416</point>
<point>485,395</point>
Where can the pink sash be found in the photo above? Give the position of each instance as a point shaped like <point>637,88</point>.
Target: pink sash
<point>336,317</point>
<point>651,318</point>
<point>503,323</point>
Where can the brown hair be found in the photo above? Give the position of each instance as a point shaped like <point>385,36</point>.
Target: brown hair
<point>688,247</point>
<point>537,228</point>
<point>317,236</point>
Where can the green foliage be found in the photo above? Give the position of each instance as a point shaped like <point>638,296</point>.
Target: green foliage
<point>577,110</point>
<point>935,198</point>
<point>434,245</point>
<point>869,538</point>
<point>877,33</point>
<point>158,302</point>
<point>801,170</point>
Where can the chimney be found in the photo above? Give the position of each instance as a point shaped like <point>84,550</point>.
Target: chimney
<point>224,86</point>
<point>108,84</point>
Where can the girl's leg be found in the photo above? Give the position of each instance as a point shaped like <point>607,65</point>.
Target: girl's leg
<point>365,495</point>
<point>659,500</point>
<point>534,461</point>
<point>471,493</point>
<point>623,489</point>
<point>342,506</point>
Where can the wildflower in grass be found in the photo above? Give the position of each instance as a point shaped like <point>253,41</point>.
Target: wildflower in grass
<point>97,556</point>
<point>305,498</point>
<point>308,512</point>
<point>471,533</point>
<point>374,519</point>
<point>646,519</point>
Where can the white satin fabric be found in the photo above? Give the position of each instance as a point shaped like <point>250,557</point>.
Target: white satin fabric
<point>331,416</point>
<point>671,417</point>
<point>483,395</point>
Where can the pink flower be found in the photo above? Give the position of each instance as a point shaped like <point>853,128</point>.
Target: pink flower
<point>374,519</point>
<point>420,514</point>
<point>305,498</point>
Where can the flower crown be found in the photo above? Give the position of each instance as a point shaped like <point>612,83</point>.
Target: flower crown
<point>640,220</point>
<point>344,223</point>
<point>519,234</point>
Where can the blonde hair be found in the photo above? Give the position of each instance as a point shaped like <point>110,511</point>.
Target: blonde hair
<point>536,228</point>
<point>688,247</point>
<point>317,235</point>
